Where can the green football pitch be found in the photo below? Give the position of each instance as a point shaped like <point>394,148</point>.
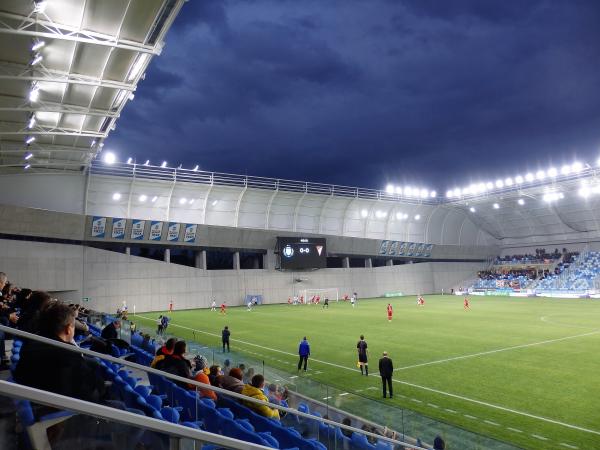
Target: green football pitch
<point>522,370</point>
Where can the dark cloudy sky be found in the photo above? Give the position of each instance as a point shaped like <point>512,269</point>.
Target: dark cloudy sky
<point>362,93</point>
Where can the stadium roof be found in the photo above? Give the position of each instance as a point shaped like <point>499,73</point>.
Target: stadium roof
<point>67,69</point>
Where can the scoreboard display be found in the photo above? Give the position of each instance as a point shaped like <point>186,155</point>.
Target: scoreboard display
<point>302,253</point>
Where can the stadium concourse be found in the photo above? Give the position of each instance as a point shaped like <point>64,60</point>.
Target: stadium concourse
<point>103,233</point>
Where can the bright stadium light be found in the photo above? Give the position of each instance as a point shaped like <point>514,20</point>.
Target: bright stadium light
<point>37,45</point>
<point>540,175</point>
<point>496,206</point>
<point>154,198</point>
<point>36,59</point>
<point>39,6</point>
<point>565,170</point>
<point>214,203</point>
<point>389,189</point>
<point>399,215</point>
<point>129,160</point>
<point>465,191</point>
<point>34,94</point>
<point>519,179</point>
<point>550,197</point>
<point>30,140</point>
<point>529,177</point>
<point>182,201</point>
<point>405,216</point>
<point>449,193</point>
<point>164,164</point>
<point>424,193</point>
<point>109,158</point>
<point>196,167</point>
<point>521,202</point>
<point>407,191</point>
<point>116,196</point>
<point>489,185</point>
<point>28,156</point>
<point>508,181</point>
<point>472,209</point>
<point>417,216</point>
<point>473,189</point>
<point>398,190</point>
<point>584,192</point>
<point>191,202</point>
<point>552,172</point>
<point>576,167</point>
<point>26,166</point>
<point>137,66</point>
<point>143,198</point>
<point>499,184</point>
<point>433,194</point>
<point>31,122</point>
<point>364,213</point>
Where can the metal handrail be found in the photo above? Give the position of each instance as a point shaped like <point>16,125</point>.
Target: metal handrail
<point>74,348</point>
<point>51,399</point>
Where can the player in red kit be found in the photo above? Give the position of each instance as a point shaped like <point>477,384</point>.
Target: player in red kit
<point>171,306</point>
<point>390,312</point>
<point>466,304</point>
<point>223,308</point>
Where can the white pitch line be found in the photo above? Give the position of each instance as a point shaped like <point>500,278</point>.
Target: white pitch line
<point>489,422</point>
<point>343,393</point>
<point>416,386</point>
<point>416,400</point>
<point>468,416</point>
<point>516,430</point>
<point>450,410</point>
<point>568,446</point>
<point>326,398</point>
<point>433,405</point>
<point>541,438</point>
<point>293,376</point>
<point>498,350</point>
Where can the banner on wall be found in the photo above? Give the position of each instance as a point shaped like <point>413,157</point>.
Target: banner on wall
<point>173,233</point>
<point>384,247</point>
<point>393,248</point>
<point>190,233</point>
<point>118,228</point>
<point>98,227</point>
<point>137,229</point>
<point>156,230</point>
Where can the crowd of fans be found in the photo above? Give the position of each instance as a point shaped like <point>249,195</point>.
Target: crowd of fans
<point>541,256</point>
<point>507,274</point>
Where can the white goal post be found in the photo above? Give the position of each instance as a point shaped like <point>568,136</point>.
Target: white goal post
<point>330,293</point>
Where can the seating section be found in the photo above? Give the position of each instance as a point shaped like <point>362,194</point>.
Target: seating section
<point>580,275</point>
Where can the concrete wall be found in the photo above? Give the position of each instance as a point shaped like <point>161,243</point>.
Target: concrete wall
<point>108,278</point>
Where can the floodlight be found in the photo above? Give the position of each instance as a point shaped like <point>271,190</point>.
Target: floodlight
<point>565,170</point>
<point>363,212</point>
<point>472,209</point>
<point>521,202</point>
<point>147,162</point>
<point>465,191</point>
<point>214,203</point>
<point>27,166</point>
<point>529,177</point>
<point>417,216</point>
<point>39,6</point>
<point>424,193</point>
<point>154,198</point>
<point>36,59</point>
<point>137,67</point>
<point>31,122</point>
<point>34,94</point>
<point>499,184</point>
<point>489,185</point>
<point>191,202</point>
<point>473,189</point>
<point>28,156</point>
<point>576,167</point>
<point>433,194</point>
<point>405,216</point>
<point>29,140</point>
<point>519,179</point>
<point>457,192</point>
<point>37,45</point>
<point>496,206</point>
<point>101,144</point>
<point>508,182</point>
<point>552,196</point>
<point>116,196</point>
<point>552,172</point>
<point>182,201</point>
<point>131,96</point>
<point>164,164</point>
<point>584,192</point>
<point>195,169</point>
<point>389,189</point>
<point>110,158</point>
<point>129,160</point>
<point>143,198</point>
<point>93,143</point>
<point>540,174</point>
<point>481,187</point>
<point>449,194</point>
<point>408,191</point>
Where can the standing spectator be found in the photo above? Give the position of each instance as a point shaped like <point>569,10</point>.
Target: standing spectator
<point>176,364</point>
<point>363,360</point>
<point>225,334</point>
<point>386,370</point>
<point>303,352</point>
<point>255,390</point>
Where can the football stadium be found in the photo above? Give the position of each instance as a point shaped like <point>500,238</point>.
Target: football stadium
<point>156,305</point>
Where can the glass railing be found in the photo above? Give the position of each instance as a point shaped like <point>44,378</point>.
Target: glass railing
<point>335,404</point>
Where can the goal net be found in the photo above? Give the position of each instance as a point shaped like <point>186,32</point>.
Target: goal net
<point>331,294</point>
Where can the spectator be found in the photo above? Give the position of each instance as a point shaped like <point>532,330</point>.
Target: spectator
<point>225,334</point>
<point>248,375</point>
<point>22,298</point>
<point>111,331</point>
<point>439,444</point>
<point>3,280</point>
<point>386,370</point>
<point>176,364</point>
<point>162,353</point>
<point>56,370</point>
<point>304,353</point>
<point>32,311</point>
<point>200,364</point>
<point>233,382</point>
<point>348,422</point>
<point>254,390</point>
<point>214,373</point>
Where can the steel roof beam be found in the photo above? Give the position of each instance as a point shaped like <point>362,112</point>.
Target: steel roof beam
<point>62,108</point>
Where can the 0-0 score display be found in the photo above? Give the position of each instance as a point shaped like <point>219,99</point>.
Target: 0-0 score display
<point>302,253</point>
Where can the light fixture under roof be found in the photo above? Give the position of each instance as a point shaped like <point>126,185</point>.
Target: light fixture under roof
<point>109,158</point>
<point>31,122</point>
<point>37,58</point>
<point>519,179</point>
<point>508,182</point>
<point>576,167</point>
<point>540,175</point>
<point>449,193</point>
<point>499,184</point>
<point>30,140</point>
<point>116,196</point>
<point>137,67</point>
<point>521,202</point>
<point>34,94</point>
<point>39,6</point>
<point>196,167</point>
<point>129,160</point>
<point>496,206</point>
<point>164,164</point>
<point>389,189</point>
<point>182,201</point>
<point>363,212</point>
<point>417,216</point>
<point>147,163</point>
<point>553,196</point>
<point>565,170</point>
<point>28,156</point>
<point>552,172</point>
<point>529,177</point>
<point>192,200</point>
<point>433,194</point>
<point>143,198</point>
<point>398,190</point>
<point>27,166</point>
<point>37,45</point>
<point>154,198</point>
<point>472,209</point>
<point>489,185</point>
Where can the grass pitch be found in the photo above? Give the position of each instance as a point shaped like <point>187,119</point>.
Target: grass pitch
<point>525,371</point>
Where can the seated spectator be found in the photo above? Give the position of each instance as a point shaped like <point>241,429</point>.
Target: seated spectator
<point>30,314</point>
<point>248,375</point>
<point>111,331</point>
<point>22,298</point>
<point>200,365</point>
<point>254,390</point>
<point>348,422</point>
<point>57,370</point>
<point>438,443</point>
<point>213,374</point>
<point>176,364</point>
<point>233,381</point>
<point>167,348</point>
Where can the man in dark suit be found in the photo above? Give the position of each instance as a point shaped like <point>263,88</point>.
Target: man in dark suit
<point>110,331</point>
<point>386,370</point>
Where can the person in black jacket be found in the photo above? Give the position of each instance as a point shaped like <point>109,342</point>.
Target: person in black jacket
<point>176,364</point>
<point>225,338</point>
<point>386,370</point>
<point>110,331</point>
